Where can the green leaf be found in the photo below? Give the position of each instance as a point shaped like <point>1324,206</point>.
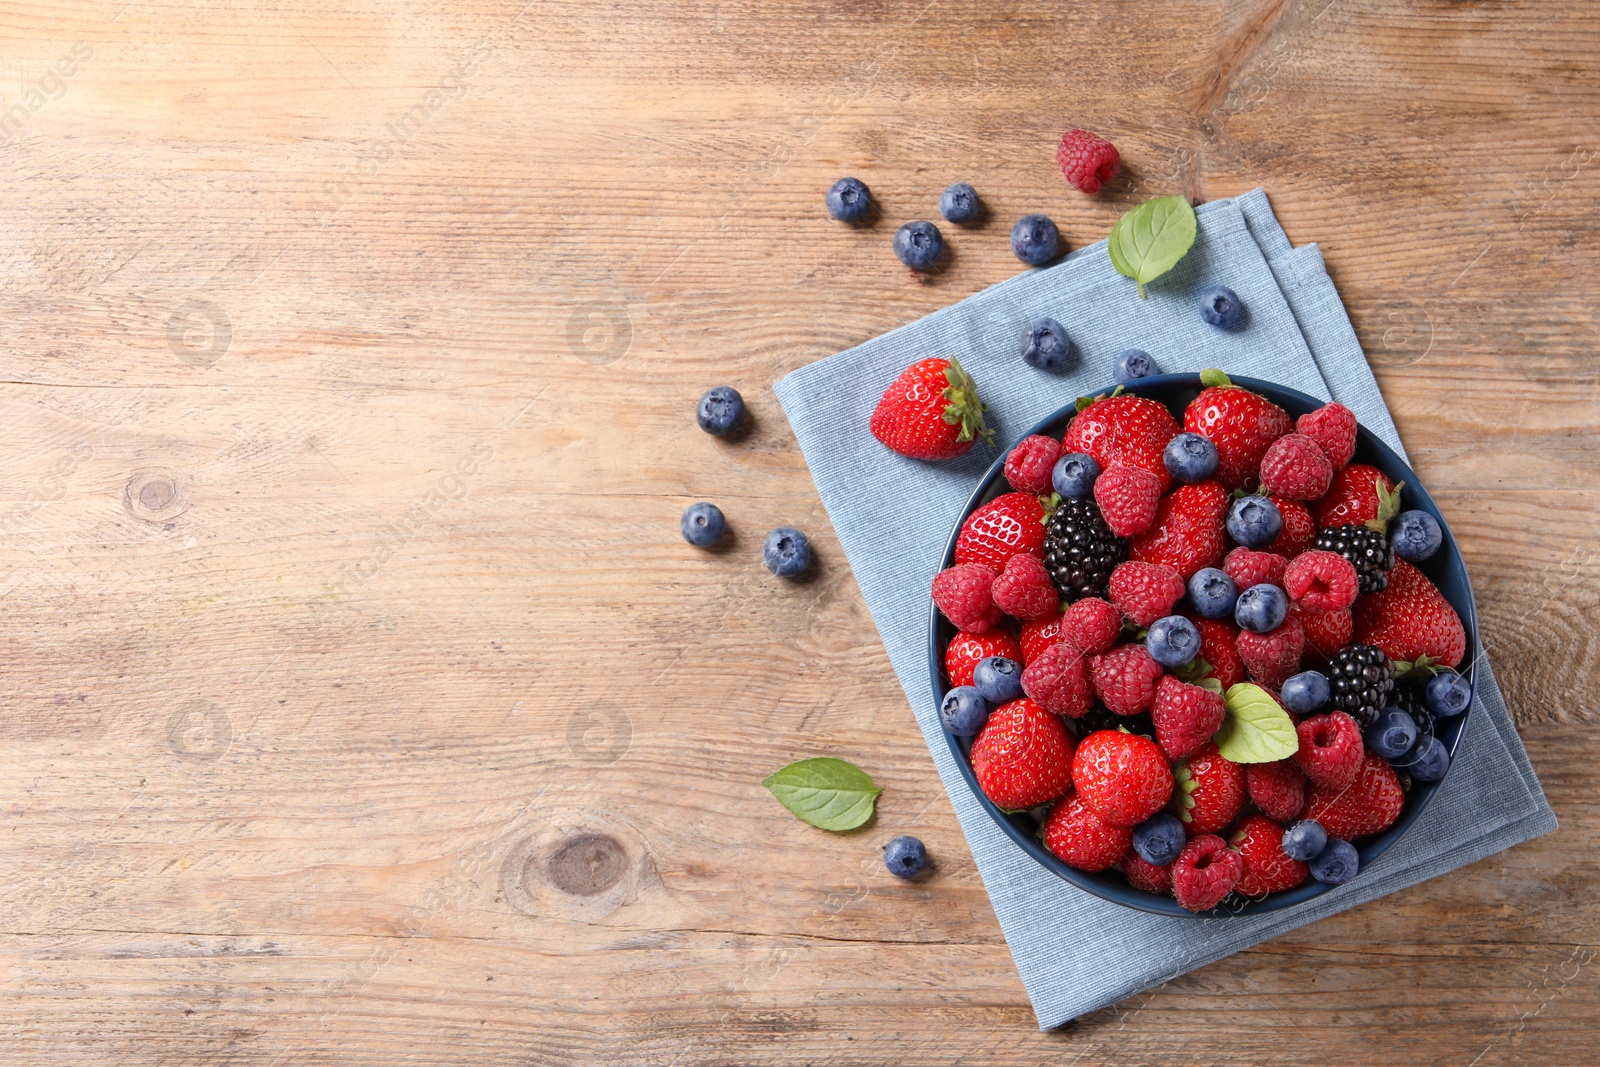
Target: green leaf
<point>1149,240</point>
<point>1211,377</point>
<point>833,794</point>
<point>1256,729</point>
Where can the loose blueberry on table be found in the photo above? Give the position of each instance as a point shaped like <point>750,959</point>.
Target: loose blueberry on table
<point>849,200</point>
<point>720,410</point>
<point>919,245</point>
<point>1035,240</point>
<point>960,204</point>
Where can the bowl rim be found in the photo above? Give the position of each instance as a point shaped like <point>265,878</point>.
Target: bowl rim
<point>1420,794</point>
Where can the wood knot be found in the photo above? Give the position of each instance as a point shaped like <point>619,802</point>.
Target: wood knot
<point>587,865</point>
<point>155,496</point>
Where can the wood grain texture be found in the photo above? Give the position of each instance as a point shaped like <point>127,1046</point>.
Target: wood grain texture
<point>363,704</point>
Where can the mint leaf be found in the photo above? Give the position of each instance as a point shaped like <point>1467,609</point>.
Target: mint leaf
<point>1149,240</point>
<point>833,794</point>
<point>1256,729</point>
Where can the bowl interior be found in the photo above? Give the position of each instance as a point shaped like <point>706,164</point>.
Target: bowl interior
<point>1445,569</point>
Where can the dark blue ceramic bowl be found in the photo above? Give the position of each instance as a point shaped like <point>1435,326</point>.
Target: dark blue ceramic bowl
<point>1445,569</point>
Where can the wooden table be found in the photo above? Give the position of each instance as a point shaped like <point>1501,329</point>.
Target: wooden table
<point>365,706</point>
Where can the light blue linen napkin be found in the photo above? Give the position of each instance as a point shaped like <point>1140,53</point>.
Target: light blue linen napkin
<point>1074,952</point>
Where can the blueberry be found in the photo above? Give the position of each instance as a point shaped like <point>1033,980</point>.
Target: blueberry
<point>1159,838</point>
<point>849,200</point>
<point>787,552</point>
<point>703,525</point>
<point>1306,692</point>
<point>1416,536</point>
<point>720,410</point>
<point>1213,593</point>
<point>1220,307</point>
<point>1393,734</point>
<point>1429,762</point>
<point>1046,345</point>
<point>997,679</point>
<point>1337,863</point>
<point>1035,240</point>
<point>1304,839</point>
<point>1447,694</point>
<point>1190,458</point>
<point>1133,364</point>
<point>1074,474</point>
<point>1261,608</point>
<point>919,245</point>
<point>1254,521</point>
<point>905,857</point>
<point>959,203</point>
<point>964,711</point>
<point>1172,641</point>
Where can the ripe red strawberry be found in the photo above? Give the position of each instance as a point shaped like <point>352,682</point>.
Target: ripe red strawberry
<point>1240,423</point>
<point>931,411</point>
<point>1128,498</point>
<point>1146,876</point>
<point>1124,429</point>
<point>1295,467</point>
<point>1248,567</point>
<point>1029,465</point>
<point>1185,716</point>
<point>1058,680</point>
<point>1278,789</point>
<point>1271,658</point>
<point>1330,750</point>
<point>1039,635</point>
<point>1411,619</point>
<point>1145,592</point>
<point>1333,428</point>
<point>1219,650</point>
<point>965,651</point>
<point>1368,805</point>
<point>1189,531</point>
<point>962,593</point>
<point>993,533</point>
<point>1299,528</point>
<point>1023,757</point>
<point>1205,872</point>
<point>1326,631</point>
<point>1208,791</point>
<point>1087,160</point>
<point>1092,624</point>
<point>1320,581</point>
<point>1081,838</point>
<point>1125,679</point>
<point>1259,843</point>
<point>1024,588</point>
<point>1122,776</point>
<point>1355,496</point>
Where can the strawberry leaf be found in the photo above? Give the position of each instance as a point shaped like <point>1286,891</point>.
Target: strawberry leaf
<point>1256,729</point>
<point>1211,378</point>
<point>1388,506</point>
<point>829,793</point>
<point>1149,240</point>
<point>965,409</point>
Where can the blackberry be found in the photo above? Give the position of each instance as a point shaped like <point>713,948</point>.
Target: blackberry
<point>1367,549</point>
<point>1099,717</point>
<point>1361,679</point>
<point>1080,551</point>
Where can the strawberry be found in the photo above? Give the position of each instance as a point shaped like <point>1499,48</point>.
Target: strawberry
<point>1299,528</point>
<point>1145,875</point>
<point>1039,635</point>
<point>1189,531</point>
<point>1259,843</point>
<point>1023,757</point>
<point>1058,680</point>
<point>1355,496</point>
<point>1145,592</point>
<point>963,594</point>
<point>1278,789</point>
<point>1368,805</point>
<point>993,533</point>
<point>1272,657</point>
<point>1123,429</point>
<point>1333,428</point>
<point>1326,631</point>
<point>1185,716</point>
<point>965,650</point>
<point>1205,872</point>
<point>1122,776</point>
<point>1092,624</point>
<point>1029,465</point>
<point>1295,467</point>
<point>1320,581</point>
<point>1219,649</point>
<point>1208,791</point>
<point>1411,621</point>
<point>1128,498</point>
<point>1240,423</point>
<point>1330,750</point>
<point>1125,679</point>
<point>931,411</point>
<point>1024,588</point>
<point>1248,567</point>
<point>1081,838</point>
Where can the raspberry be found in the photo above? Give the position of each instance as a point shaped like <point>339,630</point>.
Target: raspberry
<point>1088,160</point>
<point>1320,581</point>
<point>1278,789</point>
<point>1326,631</point>
<point>1037,636</point>
<point>1057,680</point>
<point>1029,465</point>
<point>1145,592</point>
<point>1299,528</point>
<point>1333,428</point>
<point>1185,716</point>
<point>1205,872</point>
<point>1272,657</point>
<point>1259,843</point>
<point>966,650</point>
<point>962,593</point>
<point>1128,498</point>
<point>1125,679</point>
<point>1219,649</point>
<point>1145,875</point>
<point>1330,749</point>
<point>1248,567</point>
<point>1295,467</point>
<point>1024,589</point>
<point>1081,838</point>
<point>1092,624</point>
<point>1123,777</point>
